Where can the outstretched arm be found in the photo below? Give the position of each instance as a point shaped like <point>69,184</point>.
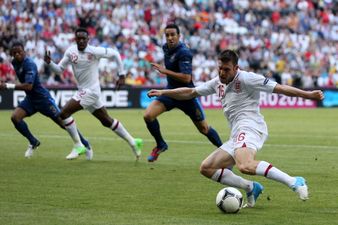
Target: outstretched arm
<point>178,93</point>
<point>54,67</point>
<point>182,77</point>
<point>114,54</point>
<point>30,74</point>
<point>23,87</point>
<point>117,56</point>
<point>292,91</point>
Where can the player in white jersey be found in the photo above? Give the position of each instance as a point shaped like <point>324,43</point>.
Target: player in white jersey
<point>239,93</point>
<point>84,60</point>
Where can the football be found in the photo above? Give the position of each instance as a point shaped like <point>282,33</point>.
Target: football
<point>229,200</point>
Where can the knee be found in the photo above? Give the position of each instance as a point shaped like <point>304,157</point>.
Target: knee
<point>206,170</point>
<point>204,130</point>
<point>106,122</point>
<point>246,168</point>
<point>63,115</point>
<point>148,117</point>
<point>15,119</point>
<point>59,122</point>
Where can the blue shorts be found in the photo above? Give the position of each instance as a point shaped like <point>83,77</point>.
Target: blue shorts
<point>44,106</point>
<point>192,107</point>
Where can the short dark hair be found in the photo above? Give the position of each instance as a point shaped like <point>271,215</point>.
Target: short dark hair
<point>81,29</point>
<point>227,56</point>
<point>172,25</point>
<point>17,43</point>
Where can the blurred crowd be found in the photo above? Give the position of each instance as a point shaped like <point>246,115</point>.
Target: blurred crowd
<point>294,42</point>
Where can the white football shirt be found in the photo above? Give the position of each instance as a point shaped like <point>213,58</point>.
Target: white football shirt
<point>240,98</point>
<point>85,64</point>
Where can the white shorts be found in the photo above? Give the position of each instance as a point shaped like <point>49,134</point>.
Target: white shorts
<point>88,99</point>
<point>244,137</point>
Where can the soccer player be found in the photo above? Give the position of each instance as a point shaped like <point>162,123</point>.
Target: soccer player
<point>178,69</point>
<point>84,60</point>
<point>37,99</point>
<point>239,93</point>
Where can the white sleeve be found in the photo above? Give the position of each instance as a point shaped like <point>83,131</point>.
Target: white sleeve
<point>55,68</point>
<point>60,67</point>
<point>207,88</point>
<point>259,82</point>
<point>111,53</point>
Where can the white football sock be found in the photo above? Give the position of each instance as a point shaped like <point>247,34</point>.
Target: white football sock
<point>70,126</point>
<point>119,129</point>
<point>271,172</point>
<point>227,177</point>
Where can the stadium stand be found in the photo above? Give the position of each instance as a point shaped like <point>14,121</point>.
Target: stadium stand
<point>292,41</point>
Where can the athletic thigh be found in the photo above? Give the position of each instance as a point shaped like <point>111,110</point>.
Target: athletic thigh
<point>27,106</point>
<point>246,156</point>
<point>218,159</point>
<point>48,108</point>
<point>244,137</point>
<point>71,107</point>
<point>18,114</point>
<point>155,109</point>
<point>192,108</point>
<point>167,102</point>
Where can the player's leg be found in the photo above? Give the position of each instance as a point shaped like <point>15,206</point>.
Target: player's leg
<point>85,142</point>
<point>248,168</point>
<point>238,138</point>
<point>89,150</point>
<point>51,110</point>
<point>215,167</point>
<point>195,111</point>
<point>209,132</point>
<point>17,119</point>
<point>244,156</point>
<point>116,126</point>
<point>25,109</point>
<point>155,109</point>
<point>68,122</point>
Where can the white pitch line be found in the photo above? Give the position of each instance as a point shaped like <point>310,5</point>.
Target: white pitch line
<point>179,141</point>
<point>274,135</point>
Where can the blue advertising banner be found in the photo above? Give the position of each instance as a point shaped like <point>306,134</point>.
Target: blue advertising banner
<point>136,97</point>
<point>331,98</point>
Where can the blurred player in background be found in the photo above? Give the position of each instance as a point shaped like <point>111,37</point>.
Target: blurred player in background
<point>239,93</point>
<point>178,69</point>
<point>37,99</point>
<point>84,59</point>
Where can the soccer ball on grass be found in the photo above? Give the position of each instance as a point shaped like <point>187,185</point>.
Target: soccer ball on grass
<point>229,200</point>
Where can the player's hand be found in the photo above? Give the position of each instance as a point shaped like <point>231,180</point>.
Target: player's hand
<point>154,93</point>
<point>120,82</point>
<point>316,95</point>
<point>47,57</point>
<point>159,68</point>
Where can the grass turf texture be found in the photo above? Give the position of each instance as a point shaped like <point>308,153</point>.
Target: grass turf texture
<point>113,189</point>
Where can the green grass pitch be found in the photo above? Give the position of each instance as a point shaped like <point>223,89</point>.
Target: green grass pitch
<point>113,189</point>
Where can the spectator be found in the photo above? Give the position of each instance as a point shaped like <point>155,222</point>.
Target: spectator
<point>300,34</point>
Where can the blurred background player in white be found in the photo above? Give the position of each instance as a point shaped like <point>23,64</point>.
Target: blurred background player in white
<point>84,60</point>
<point>239,93</point>
<point>37,99</point>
